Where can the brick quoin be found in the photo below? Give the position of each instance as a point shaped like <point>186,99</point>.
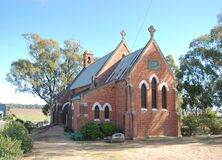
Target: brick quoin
<point>124,96</point>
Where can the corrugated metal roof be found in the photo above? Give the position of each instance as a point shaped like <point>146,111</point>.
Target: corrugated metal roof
<point>85,77</point>
<point>124,65</point>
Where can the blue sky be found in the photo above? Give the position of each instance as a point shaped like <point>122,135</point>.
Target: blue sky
<point>96,26</point>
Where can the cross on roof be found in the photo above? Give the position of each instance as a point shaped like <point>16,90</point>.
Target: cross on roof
<point>151,29</point>
<point>123,34</point>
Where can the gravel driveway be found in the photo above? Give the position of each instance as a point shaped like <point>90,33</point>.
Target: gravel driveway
<point>50,144</point>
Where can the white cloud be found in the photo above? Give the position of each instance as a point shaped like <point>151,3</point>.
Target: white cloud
<point>8,95</point>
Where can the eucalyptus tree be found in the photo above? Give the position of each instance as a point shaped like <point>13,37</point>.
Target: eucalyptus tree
<point>49,69</point>
<point>200,76</point>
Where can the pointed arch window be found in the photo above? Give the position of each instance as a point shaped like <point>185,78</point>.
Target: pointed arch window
<point>164,97</point>
<point>96,112</point>
<point>154,93</point>
<point>106,112</point>
<point>143,96</point>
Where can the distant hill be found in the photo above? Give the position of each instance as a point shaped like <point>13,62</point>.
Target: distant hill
<point>28,106</point>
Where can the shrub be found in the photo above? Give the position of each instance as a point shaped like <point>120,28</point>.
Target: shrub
<point>190,124</point>
<point>29,125</point>
<point>9,149</point>
<point>17,131</point>
<point>108,129</point>
<point>215,126</point>
<point>19,120</point>
<point>91,131</point>
<point>76,136</point>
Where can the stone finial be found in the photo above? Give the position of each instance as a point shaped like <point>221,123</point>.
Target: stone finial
<point>151,29</point>
<point>123,34</point>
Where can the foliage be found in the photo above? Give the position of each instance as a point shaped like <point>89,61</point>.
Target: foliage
<point>19,120</point>
<point>17,131</point>
<point>49,70</point>
<point>108,129</point>
<point>77,136</point>
<point>45,109</point>
<point>200,76</point>
<point>29,125</point>
<point>172,64</point>
<point>10,117</point>
<point>203,122</point>
<point>215,126</point>
<point>219,18</point>
<point>91,131</point>
<point>9,149</point>
<point>190,124</point>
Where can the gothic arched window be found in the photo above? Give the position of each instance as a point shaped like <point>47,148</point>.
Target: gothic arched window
<point>164,97</point>
<point>143,96</point>
<point>96,112</point>
<point>154,93</point>
<point>106,112</point>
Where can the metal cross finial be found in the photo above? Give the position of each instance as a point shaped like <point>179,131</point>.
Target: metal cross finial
<point>123,34</point>
<point>151,29</point>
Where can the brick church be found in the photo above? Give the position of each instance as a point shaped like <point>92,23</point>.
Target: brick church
<point>136,91</point>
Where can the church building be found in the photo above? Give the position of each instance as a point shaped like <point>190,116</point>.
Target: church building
<point>135,91</point>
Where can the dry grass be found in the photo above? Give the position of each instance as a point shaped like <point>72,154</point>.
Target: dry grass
<point>51,144</point>
<point>33,115</point>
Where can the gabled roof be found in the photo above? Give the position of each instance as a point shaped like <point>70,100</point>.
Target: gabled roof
<point>85,76</point>
<point>124,65</point>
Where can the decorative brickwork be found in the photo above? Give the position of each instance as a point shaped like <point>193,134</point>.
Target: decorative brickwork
<point>122,95</point>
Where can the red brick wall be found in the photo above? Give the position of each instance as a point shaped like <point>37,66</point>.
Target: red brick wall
<point>150,122</point>
<point>77,119</point>
<point>120,104</point>
<point>116,57</point>
<point>105,94</point>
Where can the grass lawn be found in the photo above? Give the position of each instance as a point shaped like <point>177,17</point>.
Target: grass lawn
<point>33,115</point>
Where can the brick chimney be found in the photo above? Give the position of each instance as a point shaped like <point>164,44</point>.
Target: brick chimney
<point>87,58</point>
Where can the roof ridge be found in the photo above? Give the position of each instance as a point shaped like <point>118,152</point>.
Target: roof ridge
<point>110,57</point>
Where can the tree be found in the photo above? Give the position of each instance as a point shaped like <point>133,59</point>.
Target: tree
<point>49,70</point>
<point>219,18</point>
<point>171,62</point>
<point>200,76</point>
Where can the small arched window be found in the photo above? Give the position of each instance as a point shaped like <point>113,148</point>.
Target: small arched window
<point>154,93</point>
<point>164,97</point>
<point>106,112</point>
<point>143,96</point>
<point>96,112</point>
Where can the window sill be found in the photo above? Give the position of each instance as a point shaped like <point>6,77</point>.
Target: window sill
<point>154,109</point>
<point>96,120</point>
<point>164,110</point>
<point>85,115</point>
<point>143,109</point>
<point>106,120</point>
